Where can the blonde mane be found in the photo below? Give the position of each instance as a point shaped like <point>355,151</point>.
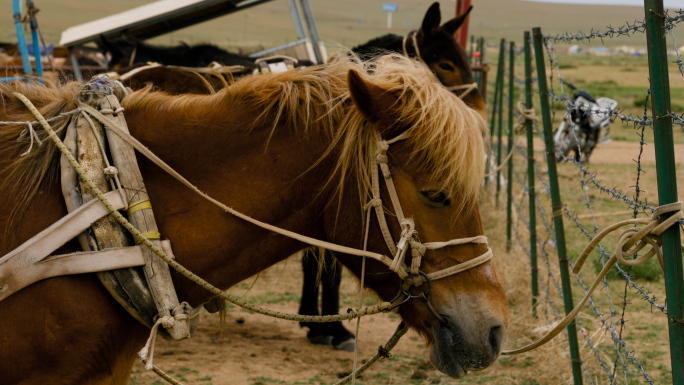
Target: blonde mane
<point>446,138</point>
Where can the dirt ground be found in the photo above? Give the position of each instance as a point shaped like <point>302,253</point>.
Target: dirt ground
<point>260,350</point>
<point>623,152</point>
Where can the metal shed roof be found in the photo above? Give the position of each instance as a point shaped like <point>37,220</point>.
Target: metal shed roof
<point>153,19</point>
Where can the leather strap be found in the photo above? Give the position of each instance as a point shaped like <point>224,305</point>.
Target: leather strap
<point>67,264</point>
<point>47,241</point>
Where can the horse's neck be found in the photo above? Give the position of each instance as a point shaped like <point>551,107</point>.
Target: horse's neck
<point>267,183</point>
<point>165,55</point>
<point>205,54</point>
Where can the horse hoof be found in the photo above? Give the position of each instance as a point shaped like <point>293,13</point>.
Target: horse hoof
<point>346,345</point>
<point>320,340</point>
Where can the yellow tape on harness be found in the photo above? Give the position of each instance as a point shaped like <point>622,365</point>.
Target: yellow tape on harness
<point>139,205</point>
<point>151,235</point>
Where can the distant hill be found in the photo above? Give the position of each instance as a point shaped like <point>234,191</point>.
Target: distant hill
<point>507,18</point>
<point>348,22</point>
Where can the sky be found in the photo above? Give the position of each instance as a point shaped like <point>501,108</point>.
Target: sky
<point>676,4</point>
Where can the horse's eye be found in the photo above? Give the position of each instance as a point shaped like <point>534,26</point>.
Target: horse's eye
<point>437,197</point>
<point>446,66</point>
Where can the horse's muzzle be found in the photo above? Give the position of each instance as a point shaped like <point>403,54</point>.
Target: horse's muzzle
<point>459,348</point>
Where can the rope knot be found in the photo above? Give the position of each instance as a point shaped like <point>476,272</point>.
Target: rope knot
<point>111,171</point>
<point>167,319</point>
<point>525,115</point>
<point>416,280</point>
<point>109,111</point>
<point>406,234</point>
<point>418,249</point>
<point>375,202</point>
<point>381,152</point>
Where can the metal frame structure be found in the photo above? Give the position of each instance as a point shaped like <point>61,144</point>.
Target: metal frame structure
<point>161,17</point>
<point>21,42</point>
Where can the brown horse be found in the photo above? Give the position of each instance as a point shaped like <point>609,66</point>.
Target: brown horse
<point>293,149</point>
<point>435,46</point>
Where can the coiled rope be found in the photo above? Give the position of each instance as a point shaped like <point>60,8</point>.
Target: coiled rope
<point>629,242</point>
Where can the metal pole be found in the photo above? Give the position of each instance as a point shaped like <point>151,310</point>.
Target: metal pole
<point>495,104</point>
<point>311,25</point>
<point>509,186</point>
<point>296,19</point>
<point>470,51</point>
<point>74,63</point>
<point>499,144</point>
<point>21,39</point>
<point>36,43</point>
<point>463,31</point>
<point>497,86</point>
<point>667,180</point>
<point>530,176</point>
<point>483,79</point>
<point>557,205</point>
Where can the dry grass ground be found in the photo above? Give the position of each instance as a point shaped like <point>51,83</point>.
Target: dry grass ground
<point>260,350</point>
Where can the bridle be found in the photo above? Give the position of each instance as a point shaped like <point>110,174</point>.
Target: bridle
<point>468,88</point>
<point>411,276</point>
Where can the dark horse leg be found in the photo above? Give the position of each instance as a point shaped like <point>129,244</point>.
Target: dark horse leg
<point>324,333</point>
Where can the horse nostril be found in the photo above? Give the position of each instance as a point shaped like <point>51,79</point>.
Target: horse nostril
<point>495,339</point>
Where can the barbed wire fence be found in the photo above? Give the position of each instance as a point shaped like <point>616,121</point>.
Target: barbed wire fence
<point>607,354</point>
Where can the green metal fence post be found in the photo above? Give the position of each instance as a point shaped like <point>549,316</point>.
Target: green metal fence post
<point>667,180</point>
<point>509,186</point>
<point>557,205</point>
<point>498,85</point>
<point>502,66</point>
<point>530,175</point>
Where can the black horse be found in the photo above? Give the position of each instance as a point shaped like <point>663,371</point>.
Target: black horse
<point>126,51</point>
<point>436,47</point>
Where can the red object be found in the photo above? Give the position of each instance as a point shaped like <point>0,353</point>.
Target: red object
<point>462,34</point>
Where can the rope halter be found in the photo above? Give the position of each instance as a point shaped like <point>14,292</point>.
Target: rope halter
<point>411,276</point>
<point>467,88</point>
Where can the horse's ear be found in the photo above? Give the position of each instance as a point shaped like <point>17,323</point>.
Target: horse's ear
<point>106,44</point>
<point>454,24</point>
<point>374,103</point>
<point>432,19</point>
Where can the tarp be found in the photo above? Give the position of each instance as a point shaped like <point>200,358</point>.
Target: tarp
<point>153,19</point>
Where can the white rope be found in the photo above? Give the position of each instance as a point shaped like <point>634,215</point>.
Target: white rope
<point>629,242</point>
<point>400,267</point>
<point>167,319</point>
<point>412,35</point>
<point>32,133</point>
<point>467,87</point>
